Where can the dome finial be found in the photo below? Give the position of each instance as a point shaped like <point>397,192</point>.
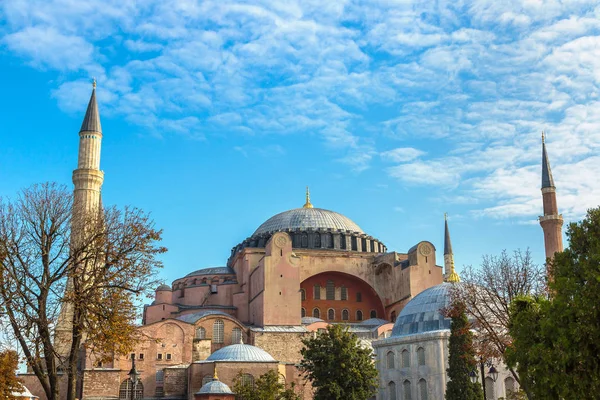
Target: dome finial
<point>308,204</point>
<point>215,376</point>
<point>543,137</point>
<point>94,83</point>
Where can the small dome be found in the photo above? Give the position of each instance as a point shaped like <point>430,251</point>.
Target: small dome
<point>241,352</point>
<point>374,322</point>
<point>304,218</point>
<point>215,387</point>
<point>163,287</point>
<point>422,313</point>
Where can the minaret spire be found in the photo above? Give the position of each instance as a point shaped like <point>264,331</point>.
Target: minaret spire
<point>551,221</point>
<point>449,272</point>
<point>308,204</point>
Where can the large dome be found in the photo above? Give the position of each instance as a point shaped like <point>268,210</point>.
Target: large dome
<point>422,313</point>
<point>304,218</point>
<point>241,353</point>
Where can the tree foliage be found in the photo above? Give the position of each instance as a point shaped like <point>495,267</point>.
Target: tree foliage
<point>337,366</point>
<point>557,339</point>
<point>9,383</point>
<point>267,387</point>
<point>487,293</point>
<point>92,266</point>
<point>461,360</point>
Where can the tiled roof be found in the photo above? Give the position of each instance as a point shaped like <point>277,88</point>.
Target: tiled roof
<point>280,328</point>
<point>213,271</point>
<point>374,322</point>
<point>241,352</point>
<point>192,318</point>
<point>311,320</point>
<point>304,218</point>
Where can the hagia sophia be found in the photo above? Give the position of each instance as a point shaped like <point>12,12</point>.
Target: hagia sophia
<point>299,271</point>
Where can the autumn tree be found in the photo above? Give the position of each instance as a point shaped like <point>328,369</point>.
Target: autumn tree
<point>557,339</point>
<point>95,277</point>
<point>461,360</point>
<point>267,387</point>
<point>337,366</point>
<point>487,293</point>
<point>9,362</point>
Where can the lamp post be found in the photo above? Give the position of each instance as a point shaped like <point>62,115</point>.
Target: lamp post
<point>493,372</point>
<point>134,377</point>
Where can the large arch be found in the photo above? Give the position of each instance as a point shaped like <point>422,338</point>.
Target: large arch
<point>359,295</point>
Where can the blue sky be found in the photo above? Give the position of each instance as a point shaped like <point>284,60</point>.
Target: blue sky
<point>217,114</point>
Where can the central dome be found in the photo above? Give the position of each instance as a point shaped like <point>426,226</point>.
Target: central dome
<point>305,218</point>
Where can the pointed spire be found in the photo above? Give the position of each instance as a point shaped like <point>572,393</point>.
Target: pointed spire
<point>447,242</point>
<point>547,180</point>
<point>91,121</point>
<point>308,204</point>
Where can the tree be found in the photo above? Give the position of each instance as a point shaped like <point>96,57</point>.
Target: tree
<point>267,387</point>
<point>487,293</point>
<point>337,366</point>
<point>557,339</point>
<point>9,383</point>
<point>461,360</point>
<point>92,266</point>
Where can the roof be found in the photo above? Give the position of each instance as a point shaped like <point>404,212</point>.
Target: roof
<point>241,352</point>
<point>374,322</point>
<point>547,179</point>
<point>212,271</point>
<point>192,318</point>
<point>305,218</point>
<point>163,287</point>
<point>91,121</point>
<point>422,313</point>
<point>215,387</point>
<point>311,320</point>
<point>280,328</point>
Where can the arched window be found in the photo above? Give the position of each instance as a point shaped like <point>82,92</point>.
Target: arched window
<point>204,281</point>
<point>509,386</point>
<point>330,290</point>
<point>206,379</point>
<point>420,356</point>
<point>200,333</point>
<point>195,281</point>
<point>345,315</point>
<point>390,360</point>
<point>303,312</point>
<point>218,331</point>
<point>344,294</point>
<point>329,239</point>
<point>316,313</point>
<point>126,389</point>
<point>423,395</point>
<point>247,380</point>
<point>304,240</point>
<point>359,316</point>
<point>317,292</point>
<point>302,295</point>
<point>358,297</point>
<point>317,240</point>
<point>405,359</point>
<point>354,243</point>
<point>343,242</point>
<point>373,314</point>
<point>392,390</point>
<point>490,390</point>
<point>331,314</point>
<point>393,316</point>
<point>406,390</point>
<point>236,335</point>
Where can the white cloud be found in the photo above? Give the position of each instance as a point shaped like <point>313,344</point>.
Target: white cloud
<point>401,154</point>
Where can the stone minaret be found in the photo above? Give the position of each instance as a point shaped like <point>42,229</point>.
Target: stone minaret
<point>449,274</point>
<point>551,221</point>
<point>87,179</point>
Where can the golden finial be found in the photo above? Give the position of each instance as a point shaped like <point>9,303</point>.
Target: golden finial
<point>215,376</point>
<point>543,137</point>
<point>445,216</point>
<point>453,276</point>
<point>94,83</point>
<point>308,204</point>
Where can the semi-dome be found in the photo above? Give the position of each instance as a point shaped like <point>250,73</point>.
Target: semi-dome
<point>214,387</point>
<point>212,271</point>
<point>241,353</point>
<point>422,313</point>
<point>305,218</point>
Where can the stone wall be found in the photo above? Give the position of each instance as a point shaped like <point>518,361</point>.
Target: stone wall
<point>284,347</point>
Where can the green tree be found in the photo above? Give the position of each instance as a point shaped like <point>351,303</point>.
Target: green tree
<point>557,340</point>
<point>267,387</point>
<point>337,366</point>
<point>461,357</point>
<point>9,383</point>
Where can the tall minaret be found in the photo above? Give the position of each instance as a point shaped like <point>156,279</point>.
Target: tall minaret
<point>450,274</point>
<point>87,179</point>
<point>551,221</point>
